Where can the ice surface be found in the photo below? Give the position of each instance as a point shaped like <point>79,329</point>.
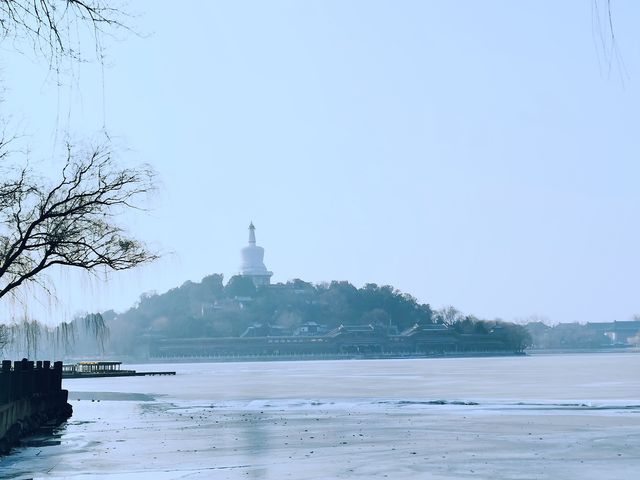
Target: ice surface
<point>542,417</point>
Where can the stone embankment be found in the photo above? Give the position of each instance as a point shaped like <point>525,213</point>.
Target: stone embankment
<point>31,395</point>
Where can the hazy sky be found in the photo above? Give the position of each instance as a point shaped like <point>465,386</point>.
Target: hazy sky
<point>478,154</point>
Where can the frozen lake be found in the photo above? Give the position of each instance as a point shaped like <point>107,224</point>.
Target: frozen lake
<point>534,417</point>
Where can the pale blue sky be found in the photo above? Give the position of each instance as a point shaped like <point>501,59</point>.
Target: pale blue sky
<point>478,154</point>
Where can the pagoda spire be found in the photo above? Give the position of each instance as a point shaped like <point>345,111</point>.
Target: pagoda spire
<point>253,261</point>
<point>252,234</point>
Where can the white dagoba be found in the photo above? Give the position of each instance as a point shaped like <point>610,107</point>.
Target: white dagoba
<point>253,261</point>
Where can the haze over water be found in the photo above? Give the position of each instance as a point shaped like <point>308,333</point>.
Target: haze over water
<point>555,416</point>
<point>480,155</point>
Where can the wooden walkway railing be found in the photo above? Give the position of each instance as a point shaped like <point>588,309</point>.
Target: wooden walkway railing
<point>25,379</point>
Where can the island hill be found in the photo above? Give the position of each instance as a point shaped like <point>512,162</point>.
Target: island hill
<point>249,316</point>
<point>209,319</point>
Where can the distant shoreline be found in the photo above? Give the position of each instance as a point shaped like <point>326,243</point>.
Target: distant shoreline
<point>310,357</point>
<point>316,357</point>
<point>567,351</point>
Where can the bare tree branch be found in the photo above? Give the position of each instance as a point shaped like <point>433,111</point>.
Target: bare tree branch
<point>605,38</point>
<point>50,25</point>
<point>70,223</point>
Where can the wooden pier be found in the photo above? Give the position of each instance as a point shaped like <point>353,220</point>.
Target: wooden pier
<point>101,369</point>
<point>147,374</point>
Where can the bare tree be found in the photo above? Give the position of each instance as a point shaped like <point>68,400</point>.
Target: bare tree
<point>71,222</point>
<point>447,315</point>
<point>53,28</point>
<point>29,338</point>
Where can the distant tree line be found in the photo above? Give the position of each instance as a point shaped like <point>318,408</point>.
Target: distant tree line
<point>566,336</point>
<point>212,309</point>
<point>33,339</point>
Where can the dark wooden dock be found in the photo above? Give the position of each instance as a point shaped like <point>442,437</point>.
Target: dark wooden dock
<point>101,369</point>
<point>144,374</point>
<point>121,373</point>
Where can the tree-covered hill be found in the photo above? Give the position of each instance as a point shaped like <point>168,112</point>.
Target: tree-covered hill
<point>211,309</point>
